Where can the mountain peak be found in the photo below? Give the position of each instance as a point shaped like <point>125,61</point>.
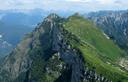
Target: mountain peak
<point>52,16</point>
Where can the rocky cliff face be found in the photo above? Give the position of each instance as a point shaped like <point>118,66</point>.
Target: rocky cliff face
<point>114,24</point>
<point>47,55</point>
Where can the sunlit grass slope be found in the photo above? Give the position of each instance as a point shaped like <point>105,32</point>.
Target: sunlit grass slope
<point>88,32</point>
<point>97,50</point>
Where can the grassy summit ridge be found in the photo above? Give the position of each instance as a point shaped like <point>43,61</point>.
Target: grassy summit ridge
<point>98,51</point>
<point>88,32</point>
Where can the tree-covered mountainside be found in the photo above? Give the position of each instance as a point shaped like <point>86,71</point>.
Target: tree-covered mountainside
<point>69,49</point>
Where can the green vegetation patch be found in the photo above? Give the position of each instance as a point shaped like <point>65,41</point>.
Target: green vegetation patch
<point>88,32</point>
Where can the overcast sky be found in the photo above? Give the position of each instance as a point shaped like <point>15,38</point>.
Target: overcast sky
<point>65,5</point>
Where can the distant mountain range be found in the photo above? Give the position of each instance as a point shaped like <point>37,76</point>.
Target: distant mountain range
<point>5,47</point>
<point>14,25</point>
<point>114,24</point>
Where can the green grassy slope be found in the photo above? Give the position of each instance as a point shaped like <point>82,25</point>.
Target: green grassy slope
<point>96,48</point>
<point>93,60</point>
<point>88,32</point>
